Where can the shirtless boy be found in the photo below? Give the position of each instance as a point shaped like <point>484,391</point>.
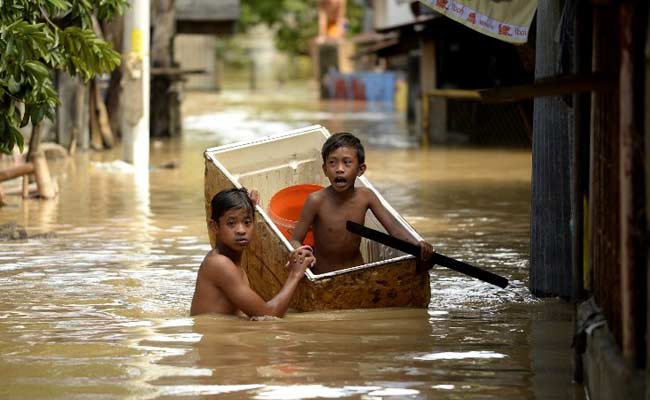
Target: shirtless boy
<point>222,286</point>
<point>327,210</point>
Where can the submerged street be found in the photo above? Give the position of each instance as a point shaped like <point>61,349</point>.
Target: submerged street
<point>100,307</point>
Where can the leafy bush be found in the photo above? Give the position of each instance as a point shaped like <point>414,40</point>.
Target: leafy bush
<point>38,37</point>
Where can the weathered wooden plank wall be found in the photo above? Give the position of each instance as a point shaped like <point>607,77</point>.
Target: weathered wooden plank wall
<point>646,60</point>
<point>197,52</point>
<point>633,20</point>
<point>604,203</point>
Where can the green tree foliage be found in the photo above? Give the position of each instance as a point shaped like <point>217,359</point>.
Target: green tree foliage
<point>38,37</point>
<point>295,22</point>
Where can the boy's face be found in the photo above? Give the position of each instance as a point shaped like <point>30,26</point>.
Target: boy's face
<point>342,168</point>
<point>235,228</point>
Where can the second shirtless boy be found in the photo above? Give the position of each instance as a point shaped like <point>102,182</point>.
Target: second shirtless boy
<point>327,210</point>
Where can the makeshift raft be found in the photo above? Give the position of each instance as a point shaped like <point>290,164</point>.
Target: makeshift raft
<point>389,278</point>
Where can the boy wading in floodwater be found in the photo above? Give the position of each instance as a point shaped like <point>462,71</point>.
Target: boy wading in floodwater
<point>222,286</point>
<point>327,210</point>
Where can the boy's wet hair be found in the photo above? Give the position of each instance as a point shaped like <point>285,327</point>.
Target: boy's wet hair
<point>343,139</point>
<point>229,199</point>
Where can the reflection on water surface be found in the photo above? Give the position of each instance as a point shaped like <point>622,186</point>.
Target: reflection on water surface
<point>101,308</point>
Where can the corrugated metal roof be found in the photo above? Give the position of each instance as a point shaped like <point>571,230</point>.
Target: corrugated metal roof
<point>207,10</point>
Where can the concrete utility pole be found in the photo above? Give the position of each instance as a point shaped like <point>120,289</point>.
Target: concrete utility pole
<point>135,95</point>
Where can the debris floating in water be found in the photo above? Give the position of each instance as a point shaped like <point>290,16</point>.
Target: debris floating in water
<point>114,166</point>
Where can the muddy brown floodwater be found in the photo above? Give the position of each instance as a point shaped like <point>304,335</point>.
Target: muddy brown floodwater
<point>101,309</point>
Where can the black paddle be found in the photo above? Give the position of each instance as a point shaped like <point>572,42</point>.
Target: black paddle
<point>436,258</point>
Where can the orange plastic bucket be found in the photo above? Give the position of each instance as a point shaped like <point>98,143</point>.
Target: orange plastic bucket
<point>285,208</point>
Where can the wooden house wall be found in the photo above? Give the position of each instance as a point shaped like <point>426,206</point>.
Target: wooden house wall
<point>616,235</point>
<point>197,52</point>
<point>618,207</point>
<point>633,20</point>
<point>604,188</point>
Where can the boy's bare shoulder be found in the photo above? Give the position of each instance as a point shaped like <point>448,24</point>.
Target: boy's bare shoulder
<point>318,196</point>
<point>365,192</point>
<point>363,189</point>
<point>216,263</point>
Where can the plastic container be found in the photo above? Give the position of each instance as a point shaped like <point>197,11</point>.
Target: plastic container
<point>285,208</point>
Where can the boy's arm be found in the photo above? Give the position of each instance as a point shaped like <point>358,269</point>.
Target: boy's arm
<point>230,280</point>
<point>302,226</point>
<point>394,228</point>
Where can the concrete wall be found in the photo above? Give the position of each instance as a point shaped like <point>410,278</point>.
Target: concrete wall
<point>607,377</point>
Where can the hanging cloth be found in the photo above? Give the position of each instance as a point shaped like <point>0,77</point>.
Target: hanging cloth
<point>507,20</point>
